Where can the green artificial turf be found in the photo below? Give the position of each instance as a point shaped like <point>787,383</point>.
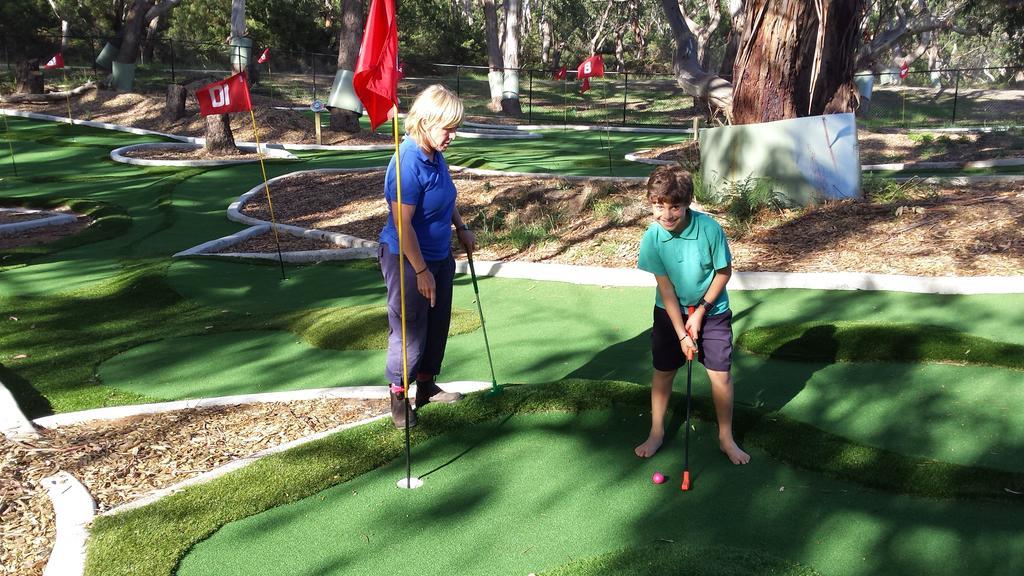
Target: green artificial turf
<point>671,557</point>
<point>863,342</point>
<point>594,152</point>
<point>540,475</point>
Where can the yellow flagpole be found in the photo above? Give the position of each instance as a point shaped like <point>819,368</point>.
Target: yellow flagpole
<point>266,186</point>
<point>401,253</point>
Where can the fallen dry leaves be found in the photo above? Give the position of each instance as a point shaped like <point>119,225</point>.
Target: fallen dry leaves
<point>122,460</point>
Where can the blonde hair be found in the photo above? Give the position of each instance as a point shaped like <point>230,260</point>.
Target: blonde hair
<point>435,106</point>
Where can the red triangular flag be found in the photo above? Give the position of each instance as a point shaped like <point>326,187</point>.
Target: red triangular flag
<point>224,96</point>
<point>376,77</point>
<point>560,74</point>
<point>585,86</point>
<point>264,57</point>
<point>56,62</point>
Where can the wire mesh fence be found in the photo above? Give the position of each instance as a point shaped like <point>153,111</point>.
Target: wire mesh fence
<point>934,98</point>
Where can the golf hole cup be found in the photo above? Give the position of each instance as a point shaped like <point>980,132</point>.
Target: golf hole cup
<point>658,478</point>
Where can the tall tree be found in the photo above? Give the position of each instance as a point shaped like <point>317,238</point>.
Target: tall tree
<point>138,16</point>
<point>796,59</point>
<point>510,104</point>
<point>350,36</point>
<point>219,138</point>
<point>495,60</point>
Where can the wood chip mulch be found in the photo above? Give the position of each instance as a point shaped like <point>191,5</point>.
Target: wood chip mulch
<point>936,230</point>
<point>178,153</point>
<point>40,234</point>
<point>122,460</point>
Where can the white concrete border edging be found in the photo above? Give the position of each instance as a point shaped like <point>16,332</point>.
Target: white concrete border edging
<point>73,508</point>
<point>55,219</point>
<point>15,426</point>
<point>118,155</point>
<point>362,392</point>
<point>578,128</point>
<point>597,276</point>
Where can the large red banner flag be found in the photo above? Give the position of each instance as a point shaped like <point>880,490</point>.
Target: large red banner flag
<point>376,76</point>
<point>54,63</point>
<point>225,96</point>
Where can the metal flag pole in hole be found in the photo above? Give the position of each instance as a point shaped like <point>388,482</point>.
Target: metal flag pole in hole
<point>689,379</point>
<point>495,389</point>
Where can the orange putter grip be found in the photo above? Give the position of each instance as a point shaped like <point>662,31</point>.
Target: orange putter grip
<point>689,353</point>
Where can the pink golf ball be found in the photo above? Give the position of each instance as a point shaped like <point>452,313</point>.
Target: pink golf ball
<point>658,478</point>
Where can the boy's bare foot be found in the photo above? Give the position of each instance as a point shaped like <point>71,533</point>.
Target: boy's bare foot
<point>650,447</point>
<point>733,451</point>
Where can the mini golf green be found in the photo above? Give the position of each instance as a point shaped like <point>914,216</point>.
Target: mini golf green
<point>142,320</point>
<point>535,491</point>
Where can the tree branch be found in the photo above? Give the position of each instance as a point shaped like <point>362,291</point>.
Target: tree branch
<point>161,9</point>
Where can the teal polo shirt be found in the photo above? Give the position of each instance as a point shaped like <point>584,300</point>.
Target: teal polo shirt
<point>689,258</point>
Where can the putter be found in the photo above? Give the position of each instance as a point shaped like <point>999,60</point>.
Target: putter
<point>495,389</point>
<point>686,443</point>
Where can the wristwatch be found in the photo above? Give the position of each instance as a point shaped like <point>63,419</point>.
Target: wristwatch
<point>707,305</point>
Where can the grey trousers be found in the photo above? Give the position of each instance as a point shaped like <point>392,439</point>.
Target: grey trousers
<point>426,328</point>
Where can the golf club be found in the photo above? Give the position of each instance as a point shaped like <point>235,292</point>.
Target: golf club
<point>686,443</point>
<point>495,389</point>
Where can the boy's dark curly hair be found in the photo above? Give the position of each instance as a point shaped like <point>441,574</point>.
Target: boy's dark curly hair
<point>670,185</point>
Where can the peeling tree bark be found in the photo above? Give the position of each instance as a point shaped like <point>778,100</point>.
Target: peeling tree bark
<point>796,59</point>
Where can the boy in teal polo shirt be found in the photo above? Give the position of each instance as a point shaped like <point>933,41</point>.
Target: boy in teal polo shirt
<point>689,256</point>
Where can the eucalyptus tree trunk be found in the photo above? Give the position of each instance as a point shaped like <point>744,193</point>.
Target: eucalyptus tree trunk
<point>495,63</point>
<point>131,33</point>
<point>510,105</point>
<point>796,59</point>
<point>219,138</point>
<point>350,37</point>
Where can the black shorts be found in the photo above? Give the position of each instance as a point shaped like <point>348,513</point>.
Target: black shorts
<point>714,346</point>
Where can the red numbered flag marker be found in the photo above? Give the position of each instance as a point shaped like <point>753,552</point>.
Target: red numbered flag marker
<point>54,63</point>
<point>589,68</point>
<point>904,70</point>
<point>224,97</point>
<point>264,56</point>
<point>560,74</point>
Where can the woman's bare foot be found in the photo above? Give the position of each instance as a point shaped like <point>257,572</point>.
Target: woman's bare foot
<point>650,447</point>
<point>733,451</point>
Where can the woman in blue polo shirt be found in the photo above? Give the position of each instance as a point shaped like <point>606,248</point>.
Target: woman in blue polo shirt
<point>428,214</point>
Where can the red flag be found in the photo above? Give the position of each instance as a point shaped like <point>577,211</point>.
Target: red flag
<point>376,77</point>
<point>224,96</point>
<point>56,62</point>
<point>264,57</point>
<point>593,66</point>
<point>560,74</point>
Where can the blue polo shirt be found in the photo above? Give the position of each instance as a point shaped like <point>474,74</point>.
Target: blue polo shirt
<point>689,258</point>
<point>427,185</point>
